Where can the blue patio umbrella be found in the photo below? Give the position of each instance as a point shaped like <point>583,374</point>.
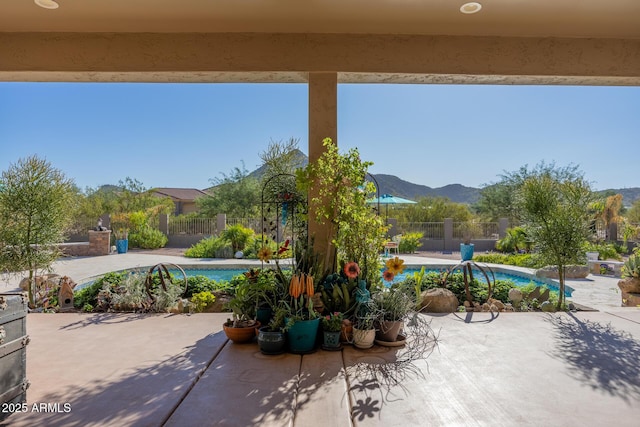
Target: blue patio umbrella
<point>388,199</point>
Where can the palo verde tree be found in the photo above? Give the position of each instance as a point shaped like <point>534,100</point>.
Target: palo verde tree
<point>554,209</point>
<point>236,194</point>
<point>35,210</point>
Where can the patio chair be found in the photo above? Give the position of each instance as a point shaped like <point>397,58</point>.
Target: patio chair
<point>394,243</point>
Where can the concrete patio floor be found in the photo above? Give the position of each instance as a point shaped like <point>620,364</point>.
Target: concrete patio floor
<point>179,370</point>
<point>505,369</point>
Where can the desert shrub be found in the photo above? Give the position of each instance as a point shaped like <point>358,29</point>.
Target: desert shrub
<point>202,301</point>
<point>197,284</point>
<point>147,238</point>
<point>606,250</point>
<point>520,260</point>
<point>238,236</point>
<point>455,283</point>
<point>89,294</point>
<point>410,242</point>
<point>211,247</point>
<point>165,300</point>
<point>131,293</point>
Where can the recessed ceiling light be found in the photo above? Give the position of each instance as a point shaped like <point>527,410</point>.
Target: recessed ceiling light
<point>47,4</point>
<point>471,7</point>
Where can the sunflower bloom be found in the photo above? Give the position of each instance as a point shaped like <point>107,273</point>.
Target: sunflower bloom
<point>388,275</point>
<point>395,265</point>
<point>351,270</point>
<point>264,254</point>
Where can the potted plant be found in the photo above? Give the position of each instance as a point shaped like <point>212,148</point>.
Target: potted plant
<point>393,306</point>
<point>122,240</point>
<point>243,327</point>
<point>331,328</point>
<point>302,321</point>
<point>469,230</point>
<point>364,332</point>
<point>271,338</point>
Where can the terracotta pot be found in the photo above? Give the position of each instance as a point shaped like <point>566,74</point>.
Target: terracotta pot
<point>241,335</point>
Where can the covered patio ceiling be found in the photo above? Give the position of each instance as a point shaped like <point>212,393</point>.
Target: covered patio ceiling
<point>372,41</point>
<point>513,18</point>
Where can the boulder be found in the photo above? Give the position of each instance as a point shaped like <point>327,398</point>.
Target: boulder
<point>438,300</point>
<point>629,285</point>
<point>515,296</point>
<point>547,307</point>
<point>630,299</point>
<point>570,272</point>
<point>499,305</point>
<point>218,306</point>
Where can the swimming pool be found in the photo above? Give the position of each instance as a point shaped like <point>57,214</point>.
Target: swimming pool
<point>518,278</point>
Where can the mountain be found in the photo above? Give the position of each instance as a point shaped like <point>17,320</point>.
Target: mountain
<point>391,184</point>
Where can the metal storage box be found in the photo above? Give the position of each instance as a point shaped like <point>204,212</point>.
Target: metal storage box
<point>13,357</point>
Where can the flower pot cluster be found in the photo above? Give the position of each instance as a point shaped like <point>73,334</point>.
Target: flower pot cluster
<point>288,310</point>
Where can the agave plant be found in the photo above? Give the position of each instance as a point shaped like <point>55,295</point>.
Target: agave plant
<point>631,266</point>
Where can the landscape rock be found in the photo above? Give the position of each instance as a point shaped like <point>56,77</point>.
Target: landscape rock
<point>515,296</point>
<point>438,300</point>
<point>497,303</point>
<point>219,304</point>
<point>570,271</point>
<point>629,285</point>
<point>630,299</point>
<point>547,307</point>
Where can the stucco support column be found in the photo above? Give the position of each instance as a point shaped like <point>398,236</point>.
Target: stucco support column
<point>323,123</point>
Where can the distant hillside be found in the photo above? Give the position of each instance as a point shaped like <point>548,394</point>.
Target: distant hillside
<point>391,184</point>
<point>629,195</point>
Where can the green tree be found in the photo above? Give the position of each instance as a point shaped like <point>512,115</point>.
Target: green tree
<point>633,214</point>
<point>554,208</point>
<point>341,204</point>
<point>498,200</point>
<point>432,209</point>
<point>236,194</point>
<point>35,209</point>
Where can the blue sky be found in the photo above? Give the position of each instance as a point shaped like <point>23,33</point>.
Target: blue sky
<point>183,135</point>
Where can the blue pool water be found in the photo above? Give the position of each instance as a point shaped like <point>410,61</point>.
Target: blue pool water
<point>220,274</point>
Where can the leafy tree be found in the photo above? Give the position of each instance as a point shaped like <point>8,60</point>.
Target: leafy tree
<point>35,209</point>
<point>127,197</point>
<point>281,157</point>
<point>633,214</point>
<point>553,205</point>
<point>432,209</point>
<point>341,204</point>
<point>132,196</point>
<point>515,240</point>
<point>498,200</point>
<point>236,194</point>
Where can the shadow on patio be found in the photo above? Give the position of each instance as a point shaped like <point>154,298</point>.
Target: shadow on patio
<point>599,355</point>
